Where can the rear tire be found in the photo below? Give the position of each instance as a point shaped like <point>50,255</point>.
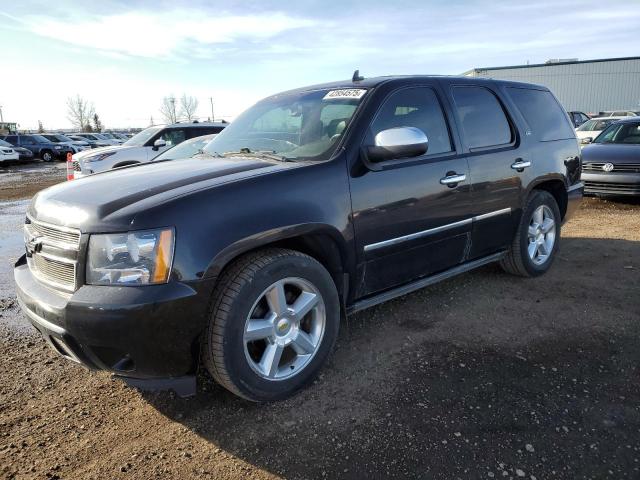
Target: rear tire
<point>536,242</point>
<point>274,319</point>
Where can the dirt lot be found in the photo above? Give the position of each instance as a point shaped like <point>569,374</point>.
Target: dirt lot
<point>482,376</point>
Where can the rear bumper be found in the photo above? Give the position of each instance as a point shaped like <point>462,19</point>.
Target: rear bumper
<point>574,199</point>
<point>144,333</point>
<point>612,183</point>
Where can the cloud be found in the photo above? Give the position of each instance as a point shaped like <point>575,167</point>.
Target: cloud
<point>165,34</point>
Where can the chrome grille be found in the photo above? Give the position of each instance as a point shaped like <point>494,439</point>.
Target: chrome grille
<point>617,167</point>
<point>53,233</point>
<point>52,253</point>
<point>55,271</point>
<point>612,188</point>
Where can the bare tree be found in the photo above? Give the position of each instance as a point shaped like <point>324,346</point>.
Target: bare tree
<point>168,109</point>
<point>97,124</point>
<point>40,127</point>
<point>79,112</point>
<point>188,107</point>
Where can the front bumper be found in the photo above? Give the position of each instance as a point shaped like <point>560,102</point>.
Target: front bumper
<point>137,332</point>
<point>613,183</point>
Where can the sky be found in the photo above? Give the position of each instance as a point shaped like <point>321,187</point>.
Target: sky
<point>125,56</point>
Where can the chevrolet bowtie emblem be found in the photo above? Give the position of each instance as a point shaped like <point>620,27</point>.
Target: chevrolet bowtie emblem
<point>34,244</point>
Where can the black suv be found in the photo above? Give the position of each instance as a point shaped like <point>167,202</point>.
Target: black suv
<point>314,204</point>
<point>40,146</point>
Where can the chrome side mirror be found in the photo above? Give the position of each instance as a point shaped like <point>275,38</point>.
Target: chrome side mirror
<point>398,143</point>
<point>159,143</point>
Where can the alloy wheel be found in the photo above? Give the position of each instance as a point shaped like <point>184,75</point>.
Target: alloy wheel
<point>541,235</point>
<point>284,329</point>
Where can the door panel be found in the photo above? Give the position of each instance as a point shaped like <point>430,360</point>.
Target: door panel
<point>407,223</point>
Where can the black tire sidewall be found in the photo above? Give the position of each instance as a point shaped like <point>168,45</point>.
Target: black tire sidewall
<point>44,154</point>
<point>236,364</point>
<point>538,199</point>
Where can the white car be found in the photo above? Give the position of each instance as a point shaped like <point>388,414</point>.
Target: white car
<point>589,130</point>
<point>141,148</point>
<point>7,153</point>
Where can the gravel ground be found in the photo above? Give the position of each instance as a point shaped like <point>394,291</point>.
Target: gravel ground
<point>482,376</point>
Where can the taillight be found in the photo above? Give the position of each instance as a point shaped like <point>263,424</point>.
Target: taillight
<point>70,175</point>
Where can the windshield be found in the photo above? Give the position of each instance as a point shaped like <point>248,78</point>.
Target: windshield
<point>5,144</point>
<point>141,138</point>
<point>302,126</point>
<point>40,139</point>
<point>63,138</point>
<point>627,133</point>
<point>595,125</point>
<point>186,149</point>
<point>107,135</point>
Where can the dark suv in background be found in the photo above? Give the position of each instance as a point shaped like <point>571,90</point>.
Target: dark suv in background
<point>315,203</point>
<point>40,146</point>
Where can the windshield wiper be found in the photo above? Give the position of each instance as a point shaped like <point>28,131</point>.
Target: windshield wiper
<point>209,154</point>
<point>246,152</point>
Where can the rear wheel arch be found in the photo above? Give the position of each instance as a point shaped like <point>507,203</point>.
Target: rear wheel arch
<point>557,188</point>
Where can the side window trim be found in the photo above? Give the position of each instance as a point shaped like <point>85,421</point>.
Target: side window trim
<point>515,134</point>
<point>428,157</point>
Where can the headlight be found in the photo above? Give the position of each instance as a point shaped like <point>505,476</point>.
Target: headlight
<point>97,158</point>
<point>131,258</point>
<point>57,147</point>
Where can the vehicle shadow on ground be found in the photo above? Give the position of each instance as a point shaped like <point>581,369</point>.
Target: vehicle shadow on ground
<point>483,374</point>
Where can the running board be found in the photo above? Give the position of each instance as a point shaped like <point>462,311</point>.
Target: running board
<point>421,283</point>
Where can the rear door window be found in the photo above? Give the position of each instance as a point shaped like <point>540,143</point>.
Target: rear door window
<point>542,113</point>
<point>482,117</point>
<point>26,140</point>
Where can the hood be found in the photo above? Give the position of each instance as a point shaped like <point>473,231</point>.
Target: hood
<point>95,151</point>
<point>611,152</point>
<point>98,202</point>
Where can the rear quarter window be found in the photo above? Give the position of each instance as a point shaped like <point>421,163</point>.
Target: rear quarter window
<point>542,113</point>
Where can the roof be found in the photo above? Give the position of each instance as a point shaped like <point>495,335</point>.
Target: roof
<point>373,82</point>
<point>553,64</point>
<point>196,124</point>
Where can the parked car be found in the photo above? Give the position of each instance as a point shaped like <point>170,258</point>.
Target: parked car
<point>592,128</point>
<point>40,146</point>
<point>578,118</point>
<point>7,153</point>
<point>98,137</point>
<point>611,164</point>
<point>23,153</point>
<point>617,113</point>
<point>186,149</point>
<point>141,148</point>
<point>75,145</point>
<point>92,143</point>
<point>315,202</point>
<point>110,136</point>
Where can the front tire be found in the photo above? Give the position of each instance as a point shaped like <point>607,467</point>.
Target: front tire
<point>47,156</point>
<point>536,242</point>
<point>274,320</point>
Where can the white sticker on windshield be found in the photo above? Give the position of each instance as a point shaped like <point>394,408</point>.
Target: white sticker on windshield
<point>345,93</point>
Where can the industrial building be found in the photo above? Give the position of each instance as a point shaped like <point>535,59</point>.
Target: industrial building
<point>589,86</point>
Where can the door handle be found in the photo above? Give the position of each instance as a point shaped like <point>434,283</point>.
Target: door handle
<point>451,180</point>
<point>520,164</point>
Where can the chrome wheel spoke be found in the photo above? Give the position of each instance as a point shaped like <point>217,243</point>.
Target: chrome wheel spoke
<point>548,225</point>
<point>303,305</point>
<point>303,344</point>
<point>533,231</point>
<point>271,359</point>
<point>532,249</point>
<point>538,215</point>
<point>276,299</point>
<point>542,249</point>
<point>258,330</point>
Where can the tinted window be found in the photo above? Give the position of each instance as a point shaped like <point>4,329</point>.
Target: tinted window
<point>543,114</point>
<point>414,107</point>
<point>12,139</point>
<point>173,136</point>
<point>483,120</point>
<point>628,133</point>
<point>26,140</point>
